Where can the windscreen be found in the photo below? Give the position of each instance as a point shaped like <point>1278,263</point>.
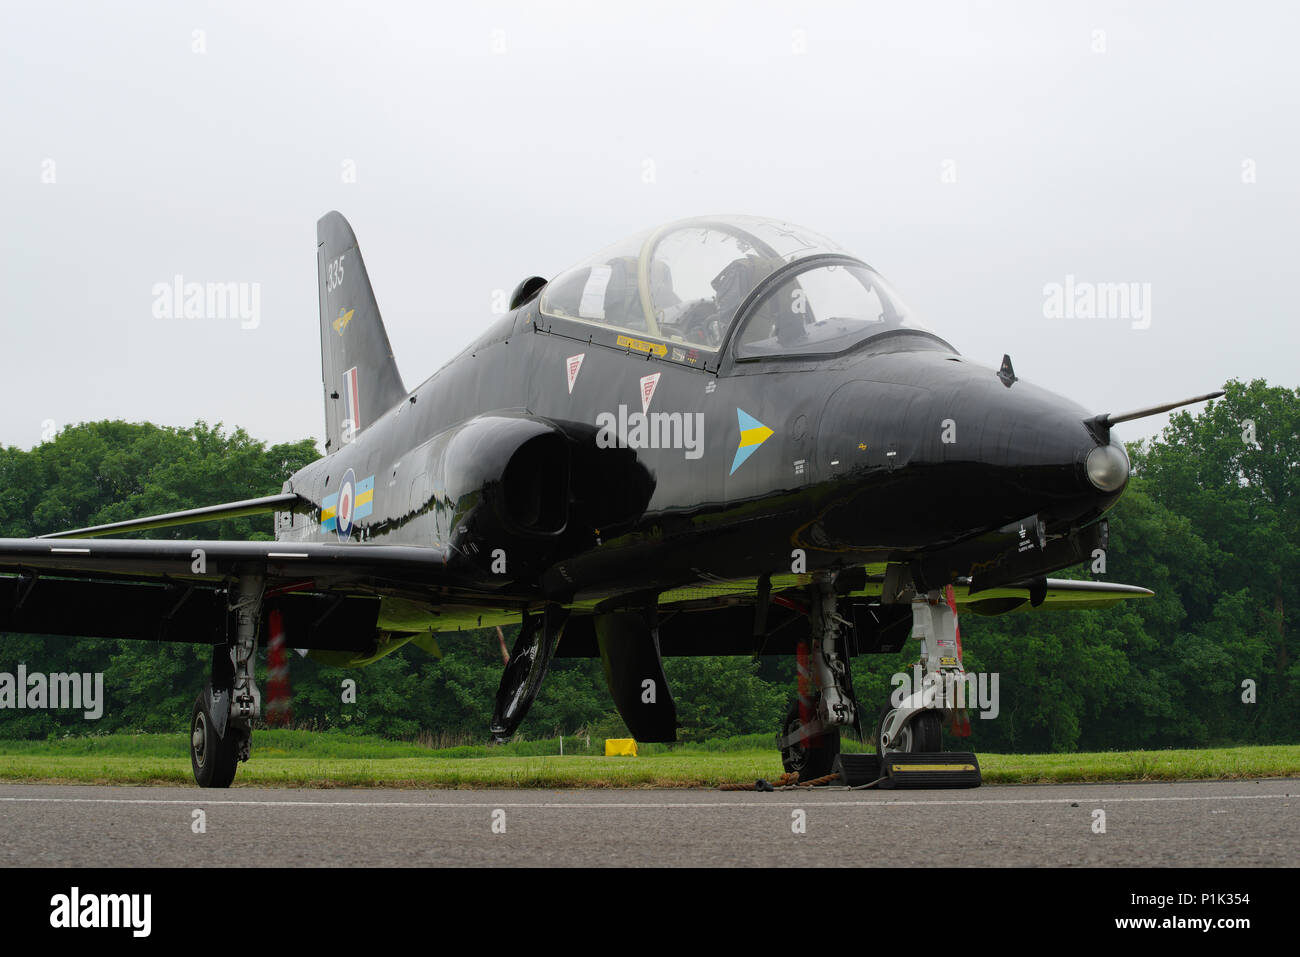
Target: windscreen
<point>824,309</point>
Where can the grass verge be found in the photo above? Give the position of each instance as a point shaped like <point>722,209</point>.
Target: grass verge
<point>322,760</point>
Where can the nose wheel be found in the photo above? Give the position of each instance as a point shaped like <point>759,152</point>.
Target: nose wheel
<point>922,734</point>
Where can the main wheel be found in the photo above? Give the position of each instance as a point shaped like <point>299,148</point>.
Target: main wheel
<point>812,757</point>
<point>923,733</point>
<point>213,757</point>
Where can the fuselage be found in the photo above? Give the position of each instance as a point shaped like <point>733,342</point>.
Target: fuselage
<point>721,470</point>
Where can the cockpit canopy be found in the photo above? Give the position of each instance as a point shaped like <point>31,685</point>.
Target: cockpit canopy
<point>682,286</point>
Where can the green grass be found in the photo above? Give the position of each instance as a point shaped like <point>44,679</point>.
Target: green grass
<point>313,759</point>
<point>1208,764</point>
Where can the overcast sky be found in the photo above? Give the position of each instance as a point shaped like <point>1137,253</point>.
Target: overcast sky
<point>974,154</point>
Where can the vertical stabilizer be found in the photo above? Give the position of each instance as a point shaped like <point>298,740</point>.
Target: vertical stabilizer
<point>357,366</point>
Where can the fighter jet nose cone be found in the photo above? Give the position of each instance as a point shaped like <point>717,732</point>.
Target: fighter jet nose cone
<point>1107,467</point>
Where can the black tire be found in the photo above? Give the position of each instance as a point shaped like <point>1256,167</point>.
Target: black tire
<point>813,757</point>
<point>213,758</point>
<point>924,733</point>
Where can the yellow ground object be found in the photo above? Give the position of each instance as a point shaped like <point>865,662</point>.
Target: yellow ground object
<point>934,767</point>
<point>616,747</point>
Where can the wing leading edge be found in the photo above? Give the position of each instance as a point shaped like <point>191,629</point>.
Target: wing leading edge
<point>190,516</point>
<point>200,560</point>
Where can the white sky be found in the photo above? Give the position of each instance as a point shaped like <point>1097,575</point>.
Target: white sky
<point>475,168</point>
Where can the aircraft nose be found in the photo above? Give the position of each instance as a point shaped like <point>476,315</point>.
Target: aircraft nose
<point>1041,446</point>
<point>933,448</point>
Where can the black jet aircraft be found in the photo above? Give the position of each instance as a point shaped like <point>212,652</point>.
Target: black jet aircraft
<point>725,436</point>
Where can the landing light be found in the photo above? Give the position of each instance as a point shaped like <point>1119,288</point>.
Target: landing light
<point>1107,467</point>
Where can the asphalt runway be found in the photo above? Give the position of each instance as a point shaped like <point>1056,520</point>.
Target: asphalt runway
<point>1237,823</point>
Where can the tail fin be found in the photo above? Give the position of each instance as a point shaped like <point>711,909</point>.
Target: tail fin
<point>357,366</point>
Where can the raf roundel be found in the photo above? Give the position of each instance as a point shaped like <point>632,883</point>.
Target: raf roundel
<point>341,510</point>
<point>346,505</point>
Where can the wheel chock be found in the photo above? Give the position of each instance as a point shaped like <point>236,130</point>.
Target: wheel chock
<point>856,770</point>
<point>944,769</point>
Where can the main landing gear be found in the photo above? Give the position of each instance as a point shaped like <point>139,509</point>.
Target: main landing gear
<point>810,734</point>
<point>221,726</point>
<point>908,736</point>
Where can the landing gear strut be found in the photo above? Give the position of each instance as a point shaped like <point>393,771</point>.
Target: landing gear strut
<point>221,725</point>
<point>915,725</point>
<point>810,734</point>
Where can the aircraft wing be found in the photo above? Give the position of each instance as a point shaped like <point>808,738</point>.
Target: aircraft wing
<point>81,554</point>
<point>179,591</point>
<point>1061,593</point>
<point>76,583</point>
<point>215,561</point>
